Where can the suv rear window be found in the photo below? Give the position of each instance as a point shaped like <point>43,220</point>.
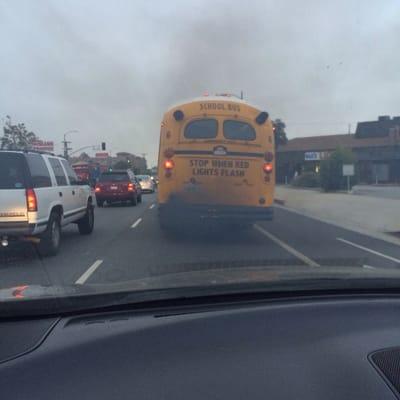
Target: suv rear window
<point>201,129</point>
<point>238,130</point>
<point>12,171</point>
<point>39,172</point>
<point>114,177</point>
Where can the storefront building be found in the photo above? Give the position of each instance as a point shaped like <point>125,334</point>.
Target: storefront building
<point>375,145</point>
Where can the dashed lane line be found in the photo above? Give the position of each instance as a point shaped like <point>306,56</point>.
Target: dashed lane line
<point>358,246</point>
<point>136,223</point>
<point>287,247</point>
<point>86,275</point>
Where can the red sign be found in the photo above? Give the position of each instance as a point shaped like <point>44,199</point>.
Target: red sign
<point>43,145</point>
<point>102,155</point>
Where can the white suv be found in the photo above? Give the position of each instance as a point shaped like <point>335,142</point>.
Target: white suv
<point>40,193</point>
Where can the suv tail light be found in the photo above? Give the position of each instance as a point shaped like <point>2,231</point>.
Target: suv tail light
<point>131,187</point>
<point>97,189</point>
<point>268,167</point>
<point>31,200</point>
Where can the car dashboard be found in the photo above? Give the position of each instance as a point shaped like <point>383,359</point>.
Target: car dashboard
<point>307,348</point>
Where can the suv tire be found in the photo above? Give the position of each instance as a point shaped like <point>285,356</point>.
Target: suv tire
<point>100,203</point>
<point>50,240</point>
<point>86,223</point>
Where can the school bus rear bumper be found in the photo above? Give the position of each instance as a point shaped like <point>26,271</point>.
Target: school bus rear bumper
<point>180,211</point>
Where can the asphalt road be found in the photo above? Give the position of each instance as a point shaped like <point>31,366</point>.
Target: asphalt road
<point>127,243</point>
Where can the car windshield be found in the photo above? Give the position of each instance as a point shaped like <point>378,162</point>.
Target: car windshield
<point>206,146</point>
<point>114,177</point>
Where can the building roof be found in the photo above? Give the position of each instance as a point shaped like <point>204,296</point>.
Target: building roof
<point>332,142</point>
<point>378,128</point>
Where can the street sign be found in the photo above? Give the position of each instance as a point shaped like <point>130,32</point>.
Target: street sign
<point>316,155</point>
<point>348,169</point>
<point>311,156</point>
<point>102,155</point>
<point>43,145</point>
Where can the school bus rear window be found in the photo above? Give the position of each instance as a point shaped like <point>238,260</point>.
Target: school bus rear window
<point>238,130</point>
<point>201,129</point>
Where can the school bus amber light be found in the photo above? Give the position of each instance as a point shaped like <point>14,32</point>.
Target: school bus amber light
<point>178,115</point>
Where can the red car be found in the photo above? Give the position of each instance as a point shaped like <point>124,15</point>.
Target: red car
<point>117,186</point>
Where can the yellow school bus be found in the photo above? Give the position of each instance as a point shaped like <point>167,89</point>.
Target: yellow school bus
<point>216,161</point>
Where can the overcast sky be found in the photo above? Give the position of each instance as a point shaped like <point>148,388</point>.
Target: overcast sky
<point>111,68</point>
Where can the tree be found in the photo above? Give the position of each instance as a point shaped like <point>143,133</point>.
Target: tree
<point>331,171</point>
<point>16,137</point>
<point>279,132</point>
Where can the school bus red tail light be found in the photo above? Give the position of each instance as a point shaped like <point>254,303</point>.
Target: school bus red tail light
<point>268,167</point>
<point>31,200</point>
<point>169,164</point>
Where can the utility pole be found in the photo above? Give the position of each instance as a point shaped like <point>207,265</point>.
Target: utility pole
<point>145,161</point>
<point>349,130</point>
<point>66,143</point>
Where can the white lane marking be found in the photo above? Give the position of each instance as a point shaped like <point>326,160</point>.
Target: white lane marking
<point>288,248</point>
<point>85,276</point>
<point>136,223</point>
<point>368,267</point>
<point>152,206</point>
<point>368,250</point>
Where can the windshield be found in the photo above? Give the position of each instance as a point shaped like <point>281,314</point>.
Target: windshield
<point>200,145</point>
<point>114,177</point>
<point>201,129</point>
<point>237,130</point>
<point>143,177</point>
<point>12,174</point>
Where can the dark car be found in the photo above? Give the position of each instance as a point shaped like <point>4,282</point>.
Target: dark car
<point>118,186</point>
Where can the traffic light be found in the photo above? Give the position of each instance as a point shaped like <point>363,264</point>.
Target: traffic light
<point>103,146</point>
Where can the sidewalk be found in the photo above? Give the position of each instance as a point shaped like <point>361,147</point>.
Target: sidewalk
<point>382,191</point>
<point>365,214</point>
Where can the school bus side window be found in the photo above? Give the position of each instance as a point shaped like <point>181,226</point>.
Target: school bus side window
<point>238,130</point>
<point>201,129</point>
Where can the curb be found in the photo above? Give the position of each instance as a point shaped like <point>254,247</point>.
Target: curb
<point>279,201</point>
